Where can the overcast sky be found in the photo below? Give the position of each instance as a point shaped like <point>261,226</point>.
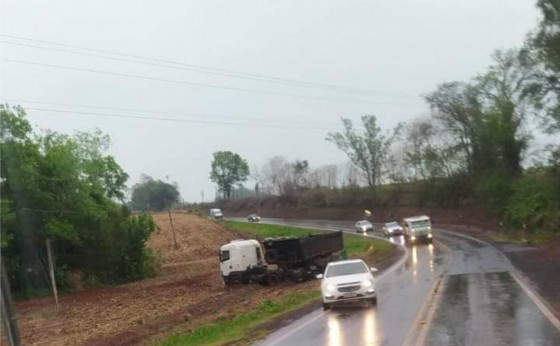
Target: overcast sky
<point>329,59</point>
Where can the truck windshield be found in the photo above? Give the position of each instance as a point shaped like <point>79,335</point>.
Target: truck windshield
<point>420,223</point>
<point>346,269</point>
<point>224,255</point>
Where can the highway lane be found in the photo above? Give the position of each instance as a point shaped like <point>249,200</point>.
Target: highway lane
<point>401,294</point>
<point>478,302</point>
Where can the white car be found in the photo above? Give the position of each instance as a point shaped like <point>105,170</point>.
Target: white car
<point>347,281</point>
<point>392,228</point>
<point>363,226</point>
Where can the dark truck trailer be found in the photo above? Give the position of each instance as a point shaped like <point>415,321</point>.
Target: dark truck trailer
<point>287,258</point>
<point>294,251</point>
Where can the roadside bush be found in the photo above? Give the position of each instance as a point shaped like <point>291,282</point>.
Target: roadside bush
<point>535,203</point>
<point>493,188</point>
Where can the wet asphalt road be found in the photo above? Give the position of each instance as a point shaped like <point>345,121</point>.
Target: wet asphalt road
<point>477,302</point>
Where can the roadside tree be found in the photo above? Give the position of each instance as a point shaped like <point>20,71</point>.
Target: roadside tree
<point>155,195</point>
<point>228,169</point>
<point>369,150</point>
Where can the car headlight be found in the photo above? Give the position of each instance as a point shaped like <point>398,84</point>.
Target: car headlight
<point>367,283</point>
<point>331,287</point>
<point>429,235</point>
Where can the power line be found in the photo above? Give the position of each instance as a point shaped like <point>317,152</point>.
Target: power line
<point>126,75</point>
<point>177,120</point>
<point>195,68</point>
<point>143,111</point>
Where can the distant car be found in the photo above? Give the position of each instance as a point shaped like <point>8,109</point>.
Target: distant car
<point>216,214</point>
<point>364,226</point>
<point>347,281</point>
<point>253,218</point>
<point>392,228</point>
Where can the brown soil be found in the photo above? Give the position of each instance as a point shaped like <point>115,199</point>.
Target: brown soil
<point>187,292</point>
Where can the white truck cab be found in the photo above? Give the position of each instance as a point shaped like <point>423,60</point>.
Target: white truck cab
<point>238,257</point>
<point>417,228</point>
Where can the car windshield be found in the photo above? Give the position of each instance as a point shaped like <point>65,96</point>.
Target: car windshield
<point>392,224</point>
<point>363,223</point>
<point>346,269</point>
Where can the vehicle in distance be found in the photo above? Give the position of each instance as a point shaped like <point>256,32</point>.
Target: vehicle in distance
<point>285,258</point>
<point>253,218</point>
<point>216,214</point>
<point>392,228</point>
<point>347,281</point>
<point>417,229</point>
<point>364,226</point>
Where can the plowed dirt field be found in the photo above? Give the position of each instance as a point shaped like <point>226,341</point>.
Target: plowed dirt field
<point>187,292</point>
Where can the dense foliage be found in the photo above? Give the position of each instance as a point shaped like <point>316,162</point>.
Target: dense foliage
<point>155,195</point>
<point>65,188</point>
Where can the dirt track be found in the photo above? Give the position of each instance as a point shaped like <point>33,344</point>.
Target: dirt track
<point>187,292</point>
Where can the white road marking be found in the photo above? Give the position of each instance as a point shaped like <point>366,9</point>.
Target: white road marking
<point>295,330</point>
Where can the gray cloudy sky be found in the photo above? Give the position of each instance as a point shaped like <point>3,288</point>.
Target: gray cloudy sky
<point>395,50</point>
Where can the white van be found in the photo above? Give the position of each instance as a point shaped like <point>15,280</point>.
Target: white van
<point>216,214</point>
<point>417,228</point>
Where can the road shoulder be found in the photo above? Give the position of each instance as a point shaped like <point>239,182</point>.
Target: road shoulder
<point>537,265</point>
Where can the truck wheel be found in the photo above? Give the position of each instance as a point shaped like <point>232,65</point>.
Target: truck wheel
<point>271,256</point>
<point>235,280</point>
<point>273,279</point>
<point>326,307</point>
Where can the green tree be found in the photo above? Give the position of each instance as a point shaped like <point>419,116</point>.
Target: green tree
<point>65,188</point>
<point>228,169</point>
<point>369,150</point>
<point>154,195</point>
<point>487,115</point>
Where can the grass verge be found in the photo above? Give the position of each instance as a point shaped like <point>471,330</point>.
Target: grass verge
<point>370,249</point>
<point>240,329</point>
<point>525,238</point>
<point>236,328</point>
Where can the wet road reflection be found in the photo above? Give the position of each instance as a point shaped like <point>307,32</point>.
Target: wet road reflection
<point>335,337</point>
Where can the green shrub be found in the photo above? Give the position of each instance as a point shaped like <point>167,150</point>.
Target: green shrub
<point>535,203</point>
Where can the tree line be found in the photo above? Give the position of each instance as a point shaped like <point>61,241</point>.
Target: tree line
<point>473,148</point>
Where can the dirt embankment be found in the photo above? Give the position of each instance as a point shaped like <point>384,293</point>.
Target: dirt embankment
<point>187,292</point>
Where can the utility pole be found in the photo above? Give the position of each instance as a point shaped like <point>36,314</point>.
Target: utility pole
<point>10,321</point>
<point>172,229</point>
<point>51,271</point>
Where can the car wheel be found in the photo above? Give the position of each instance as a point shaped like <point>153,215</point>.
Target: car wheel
<point>326,307</point>
<point>373,301</point>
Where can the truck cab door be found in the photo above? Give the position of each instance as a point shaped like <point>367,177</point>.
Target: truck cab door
<point>225,262</point>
